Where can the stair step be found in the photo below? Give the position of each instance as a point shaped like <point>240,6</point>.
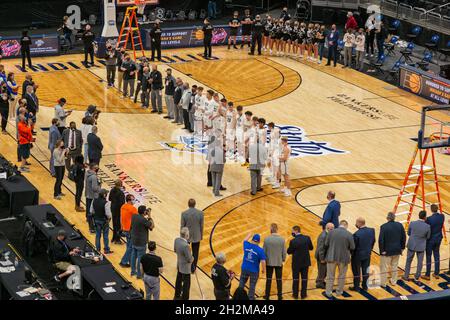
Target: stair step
<point>411,185</point>
<point>404,204</point>
<point>407,195</point>
<point>430,193</point>
<point>418,167</point>
<point>402,213</point>
<point>404,221</point>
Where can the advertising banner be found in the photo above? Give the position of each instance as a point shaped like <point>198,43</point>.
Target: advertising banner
<point>42,45</point>
<point>426,85</point>
<point>191,36</point>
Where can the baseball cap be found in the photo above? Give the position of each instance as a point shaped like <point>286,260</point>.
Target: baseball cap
<point>256,238</point>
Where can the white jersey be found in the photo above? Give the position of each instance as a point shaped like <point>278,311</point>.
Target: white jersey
<point>230,119</point>
<point>262,135</point>
<point>240,122</point>
<point>210,109</point>
<point>274,139</point>
<point>199,105</point>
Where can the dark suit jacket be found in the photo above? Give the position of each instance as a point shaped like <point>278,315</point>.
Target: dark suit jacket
<point>32,103</point>
<point>78,140</point>
<point>95,146</point>
<point>331,214</point>
<point>436,222</point>
<point>299,248</point>
<point>392,238</point>
<point>364,242</point>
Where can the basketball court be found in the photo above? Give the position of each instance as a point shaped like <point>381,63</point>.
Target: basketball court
<point>349,132</point>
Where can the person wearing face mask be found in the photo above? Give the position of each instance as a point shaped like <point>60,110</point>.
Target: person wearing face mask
<point>120,58</point>
<point>299,248</point>
<point>364,239</point>
<point>25,43</point>
<point>360,41</point>
<point>285,16</point>
<point>88,38</point>
<point>140,71</point>
<point>53,137</point>
<point>257,32</point>
<point>332,211</point>
<point>321,42</point>
<point>185,101</point>
<point>129,75</point>
<point>332,39</point>
<point>111,62</point>
<point>155,35</point>
<point>275,251</point>
<point>59,157</point>
<point>370,34</point>
<point>156,81</point>
<point>4,109</point>
<point>207,38</point>
<point>126,213</point>
<point>32,105</point>
<point>92,189</point>
<point>61,114</point>
<point>146,87</point>
<point>234,25</point>
<point>320,254</point>
<point>74,141</point>
<point>246,28</point>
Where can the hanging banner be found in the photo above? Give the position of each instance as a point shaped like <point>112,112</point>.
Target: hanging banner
<point>42,45</point>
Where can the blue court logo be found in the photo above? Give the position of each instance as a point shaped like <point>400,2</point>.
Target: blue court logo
<point>300,145</point>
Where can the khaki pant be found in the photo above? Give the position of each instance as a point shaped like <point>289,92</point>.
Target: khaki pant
<point>331,270</point>
<point>388,264</point>
<point>120,80</point>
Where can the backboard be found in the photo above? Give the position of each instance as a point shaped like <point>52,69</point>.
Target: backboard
<point>435,127</point>
<point>127,3</point>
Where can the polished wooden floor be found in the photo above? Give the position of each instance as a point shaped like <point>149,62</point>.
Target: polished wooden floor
<point>326,102</point>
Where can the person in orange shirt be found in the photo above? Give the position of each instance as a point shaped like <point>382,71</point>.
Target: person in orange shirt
<point>126,212</point>
<point>25,139</point>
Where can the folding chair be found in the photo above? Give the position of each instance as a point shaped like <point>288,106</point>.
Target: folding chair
<point>390,46</point>
<point>393,72</point>
<point>393,28</point>
<point>414,33</point>
<point>432,45</point>
<point>377,65</point>
<point>425,62</point>
<point>406,53</point>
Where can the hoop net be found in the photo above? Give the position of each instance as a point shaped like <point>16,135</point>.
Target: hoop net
<point>140,4</point>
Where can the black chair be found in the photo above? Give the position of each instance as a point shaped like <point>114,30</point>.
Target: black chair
<point>390,46</point>
<point>377,65</point>
<point>414,33</point>
<point>393,73</point>
<point>393,28</point>
<point>432,45</point>
<point>425,62</point>
<point>406,53</point>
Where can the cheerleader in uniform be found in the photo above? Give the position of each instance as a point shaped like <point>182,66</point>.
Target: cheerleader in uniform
<point>302,39</point>
<point>230,131</point>
<point>13,90</point>
<point>316,32</point>
<point>273,35</point>
<point>266,33</point>
<point>279,36</point>
<point>240,134</point>
<point>286,40</point>
<point>310,34</point>
<point>199,110</point>
<point>294,38</point>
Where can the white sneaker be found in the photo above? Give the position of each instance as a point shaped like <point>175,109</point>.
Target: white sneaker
<point>275,185</point>
<point>282,190</point>
<point>319,61</point>
<point>287,193</point>
<point>270,52</point>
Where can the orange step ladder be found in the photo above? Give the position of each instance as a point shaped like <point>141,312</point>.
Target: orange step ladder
<point>130,33</point>
<point>414,188</point>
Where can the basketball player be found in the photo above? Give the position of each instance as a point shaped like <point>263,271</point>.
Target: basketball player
<point>218,120</point>
<point>234,24</point>
<point>210,105</point>
<point>155,35</point>
<point>266,34</point>
<point>246,25</point>
<point>274,155</point>
<point>199,110</point>
<point>284,168</point>
<point>247,125</point>
<point>251,134</point>
<point>262,131</point>
<point>240,134</point>
<point>230,131</point>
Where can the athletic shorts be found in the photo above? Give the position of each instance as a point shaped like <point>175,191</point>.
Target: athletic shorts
<point>266,33</point>
<point>24,150</point>
<point>246,31</point>
<point>286,37</point>
<point>233,32</point>
<point>239,136</point>
<point>230,134</point>
<point>284,168</point>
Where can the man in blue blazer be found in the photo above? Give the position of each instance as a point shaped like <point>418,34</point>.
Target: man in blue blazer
<point>332,40</point>
<point>364,239</point>
<point>392,242</point>
<point>332,212</point>
<point>95,146</point>
<point>436,222</point>
<point>53,136</point>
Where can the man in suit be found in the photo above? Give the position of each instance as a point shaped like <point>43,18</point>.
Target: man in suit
<point>257,157</point>
<point>364,239</point>
<point>332,211</point>
<point>321,253</point>
<point>74,141</point>
<point>95,146</point>
<point>156,81</point>
<point>419,232</point>
<point>299,248</point>
<point>391,241</point>
<point>332,38</point>
<point>184,262</point>
<point>53,137</point>
<point>339,244</point>
<point>436,222</point>
<point>32,102</point>
<point>193,219</point>
<point>216,158</point>
<point>275,251</point>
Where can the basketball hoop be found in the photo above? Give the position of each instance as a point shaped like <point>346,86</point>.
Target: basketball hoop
<point>140,4</point>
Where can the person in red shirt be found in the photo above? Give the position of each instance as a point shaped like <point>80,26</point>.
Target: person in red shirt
<point>351,22</point>
<point>126,213</point>
<point>25,139</point>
